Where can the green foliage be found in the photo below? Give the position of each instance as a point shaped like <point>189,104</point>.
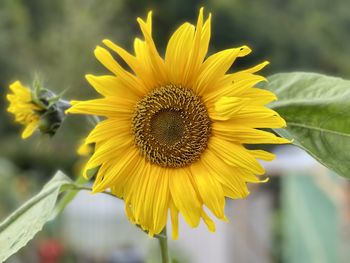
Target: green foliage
<point>317,110</point>
<point>56,39</point>
<point>22,225</point>
<point>294,35</point>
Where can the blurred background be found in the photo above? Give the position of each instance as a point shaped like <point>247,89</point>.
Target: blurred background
<point>301,215</point>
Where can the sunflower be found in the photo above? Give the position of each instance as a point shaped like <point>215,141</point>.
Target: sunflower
<point>22,106</point>
<point>174,128</point>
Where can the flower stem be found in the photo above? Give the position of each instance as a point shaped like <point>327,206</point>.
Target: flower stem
<point>68,197</point>
<point>163,244</point>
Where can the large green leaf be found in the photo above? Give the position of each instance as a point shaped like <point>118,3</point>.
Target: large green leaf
<point>22,225</point>
<point>317,110</point>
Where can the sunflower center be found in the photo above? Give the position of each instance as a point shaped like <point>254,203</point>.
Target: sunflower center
<point>167,127</point>
<point>171,126</point>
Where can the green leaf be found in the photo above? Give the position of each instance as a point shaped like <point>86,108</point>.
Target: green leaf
<point>22,225</point>
<point>317,110</point>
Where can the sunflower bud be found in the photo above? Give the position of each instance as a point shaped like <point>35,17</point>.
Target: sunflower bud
<point>37,108</point>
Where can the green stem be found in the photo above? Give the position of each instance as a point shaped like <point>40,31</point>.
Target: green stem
<point>68,197</point>
<point>163,244</point>
<point>78,187</point>
<point>93,120</point>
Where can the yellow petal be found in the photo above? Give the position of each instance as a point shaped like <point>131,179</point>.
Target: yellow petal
<point>245,135</point>
<point>210,223</point>
<point>126,56</point>
<point>111,106</point>
<point>258,117</point>
<point>178,52</point>
<point>129,213</point>
<point>263,155</point>
<point>138,64</point>
<point>256,68</point>
<point>209,189</point>
<point>174,215</point>
<point>157,63</point>
<point>216,66</point>
<point>117,171</point>
<point>142,197</point>
<point>149,22</point>
<point>250,114</point>
<point>21,91</point>
<point>227,107</point>
<point>259,121</point>
<point>235,155</point>
<point>202,38</point>
<point>150,207</point>
<point>29,129</point>
<point>128,80</point>
<point>259,96</point>
<point>109,128</point>
<point>184,196</point>
<point>161,201</point>
<point>232,85</point>
<point>230,177</point>
<point>128,180</point>
<point>142,54</point>
<point>109,150</point>
<point>110,86</point>
<point>84,149</point>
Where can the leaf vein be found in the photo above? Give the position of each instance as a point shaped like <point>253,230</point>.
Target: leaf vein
<point>305,126</point>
